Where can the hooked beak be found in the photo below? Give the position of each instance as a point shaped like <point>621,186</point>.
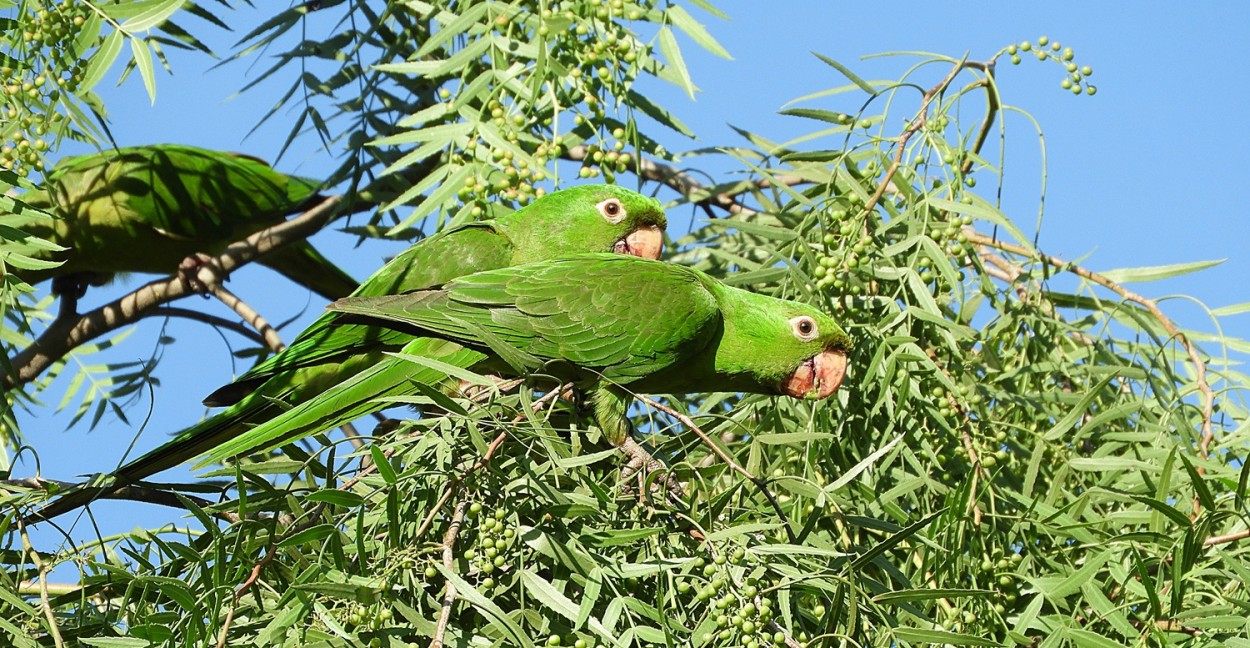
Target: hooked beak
<point>646,242</point>
<point>818,377</point>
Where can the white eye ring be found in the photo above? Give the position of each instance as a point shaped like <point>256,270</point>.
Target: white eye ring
<point>804,328</point>
<point>612,210</point>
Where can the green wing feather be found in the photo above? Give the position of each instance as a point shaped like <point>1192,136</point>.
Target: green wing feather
<point>621,317</point>
<point>429,263</point>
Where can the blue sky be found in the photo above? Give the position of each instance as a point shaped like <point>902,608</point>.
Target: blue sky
<point>1145,173</point>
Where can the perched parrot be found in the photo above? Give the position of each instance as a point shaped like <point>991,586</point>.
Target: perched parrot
<point>620,325</point>
<point>148,208</point>
<point>334,373</point>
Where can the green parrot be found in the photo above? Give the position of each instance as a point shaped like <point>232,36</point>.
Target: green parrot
<point>149,208</point>
<point>334,373</point>
<point>619,325</point>
<point>612,324</point>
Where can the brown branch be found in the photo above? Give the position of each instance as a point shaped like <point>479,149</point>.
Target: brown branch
<point>449,590</point>
<point>1226,538</point>
<point>129,493</point>
<point>45,604</point>
<point>918,122</point>
<point>69,329</point>
<point>29,588</point>
<point>685,184</point>
<point>253,318</point>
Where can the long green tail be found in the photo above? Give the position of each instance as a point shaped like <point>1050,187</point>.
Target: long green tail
<point>258,422</point>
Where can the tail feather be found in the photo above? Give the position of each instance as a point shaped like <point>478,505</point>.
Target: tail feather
<point>350,400</point>
<point>257,423</point>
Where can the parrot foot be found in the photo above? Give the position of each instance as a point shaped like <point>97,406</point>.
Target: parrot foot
<point>640,466</point>
<point>189,273</point>
<point>75,285</point>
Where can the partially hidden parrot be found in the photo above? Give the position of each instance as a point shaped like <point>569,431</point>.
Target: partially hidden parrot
<point>334,373</point>
<point>148,208</point>
<point>620,326</point>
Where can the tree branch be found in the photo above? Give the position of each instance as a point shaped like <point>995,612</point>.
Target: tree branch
<point>130,493</point>
<point>449,591</point>
<point>69,329</point>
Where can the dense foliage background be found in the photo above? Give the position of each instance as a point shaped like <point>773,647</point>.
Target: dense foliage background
<point>1015,458</point>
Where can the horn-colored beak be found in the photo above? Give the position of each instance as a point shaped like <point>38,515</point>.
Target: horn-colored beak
<point>646,242</point>
<point>818,377</point>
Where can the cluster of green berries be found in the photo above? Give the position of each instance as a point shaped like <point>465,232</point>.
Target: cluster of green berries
<point>742,615</point>
<point>366,617</point>
<point>1000,569</point>
<point>44,65</point>
<point>490,545</point>
<point>575,642</point>
<point>1077,79</point>
<point>835,267</point>
<point>606,160</point>
<point>601,57</point>
<point>507,176</point>
<point>612,45</point>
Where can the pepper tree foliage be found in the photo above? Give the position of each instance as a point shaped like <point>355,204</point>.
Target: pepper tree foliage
<point>1015,457</point>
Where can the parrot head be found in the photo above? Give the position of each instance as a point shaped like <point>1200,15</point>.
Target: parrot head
<point>821,346</point>
<point>788,347</point>
<point>588,218</point>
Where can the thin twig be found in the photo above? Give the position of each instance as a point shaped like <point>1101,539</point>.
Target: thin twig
<point>707,441</point>
<point>253,318</point>
<point>693,190</point>
<point>130,493</point>
<point>1226,538</point>
<point>449,589</point>
<point>211,320</point>
<point>45,602</point>
<point>916,124</point>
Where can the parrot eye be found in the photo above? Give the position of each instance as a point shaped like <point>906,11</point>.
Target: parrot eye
<point>804,328</point>
<point>612,209</point>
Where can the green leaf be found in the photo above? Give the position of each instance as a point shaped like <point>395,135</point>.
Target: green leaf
<point>1154,273</point>
<point>143,61</point>
<point>846,72</point>
<point>921,635</point>
<point>1170,512</point>
<point>341,498</point>
<point>548,595</point>
<point>696,31</point>
<point>383,463</point>
<point>672,54</point>
<point>1064,424</point>
<point>101,61</point>
<point>311,534</point>
<point>899,596</point>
